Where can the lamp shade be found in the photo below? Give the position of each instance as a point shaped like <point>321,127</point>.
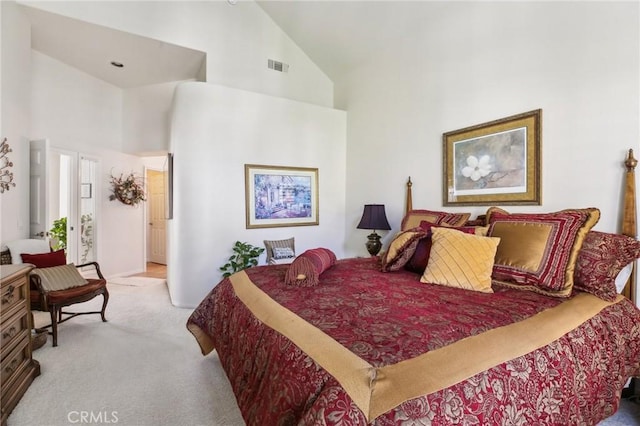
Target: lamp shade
<point>374,217</point>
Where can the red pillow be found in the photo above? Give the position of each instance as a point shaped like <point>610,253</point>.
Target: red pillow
<point>306,269</point>
<point>600,260</point>
<point>45,260</point>
<point>420,258</point>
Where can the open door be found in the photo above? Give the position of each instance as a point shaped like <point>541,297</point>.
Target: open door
<point>39,192</point>
<point>157,235</point>
<point>63,192</point>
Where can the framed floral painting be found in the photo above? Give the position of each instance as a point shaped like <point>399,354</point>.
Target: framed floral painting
<point>495,163</point>
<point>280,196</point>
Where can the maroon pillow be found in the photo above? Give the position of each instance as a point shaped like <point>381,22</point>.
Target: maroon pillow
<point>45,260</point>
<point>420,258</point>
<point>600,260</point>
<point>306,269</point>
<point>401,249</point>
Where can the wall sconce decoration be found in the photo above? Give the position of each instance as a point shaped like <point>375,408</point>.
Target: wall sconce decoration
<point>374,217</point>
<point>6,176</point>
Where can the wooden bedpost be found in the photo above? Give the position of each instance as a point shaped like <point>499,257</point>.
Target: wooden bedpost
<point>629,218</point>
<point>409,205</point>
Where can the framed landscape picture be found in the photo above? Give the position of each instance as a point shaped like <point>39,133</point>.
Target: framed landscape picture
<point>495,163</point>
<point>280,196</point>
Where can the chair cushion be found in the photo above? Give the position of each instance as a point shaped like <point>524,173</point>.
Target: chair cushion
<point>59,277</point>
<point>96,286</point>
<point>5,257</point>
<point>280,249</point>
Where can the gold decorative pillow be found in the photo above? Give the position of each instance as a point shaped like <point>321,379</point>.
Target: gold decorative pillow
<point>538,251</point>
<point>59,277</point>
<point>413,218</point>
<point>401,249</point>
<point>460,260</point>
<point>420,256</point>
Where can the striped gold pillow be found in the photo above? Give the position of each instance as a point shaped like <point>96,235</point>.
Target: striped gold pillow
<point>59,277</point>
<point>460,260</point>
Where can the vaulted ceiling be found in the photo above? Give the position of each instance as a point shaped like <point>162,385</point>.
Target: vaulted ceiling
<point>336,35</point>
<point>339,35</point>
<point>91,48</point>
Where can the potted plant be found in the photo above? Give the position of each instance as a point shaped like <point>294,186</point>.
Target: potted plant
<point>244,256</point>
<point>59,233</point>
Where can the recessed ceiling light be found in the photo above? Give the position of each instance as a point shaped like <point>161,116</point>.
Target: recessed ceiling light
<point>117,64</point>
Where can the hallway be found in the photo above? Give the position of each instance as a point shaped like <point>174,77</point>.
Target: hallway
<point>154,270</point>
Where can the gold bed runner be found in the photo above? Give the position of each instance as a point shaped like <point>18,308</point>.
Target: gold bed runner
<point>378,390</point>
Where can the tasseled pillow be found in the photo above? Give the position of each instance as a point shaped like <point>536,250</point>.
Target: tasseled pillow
<point>306,269</point>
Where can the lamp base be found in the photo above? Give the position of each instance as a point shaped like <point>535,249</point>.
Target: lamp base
<point>373,244</point>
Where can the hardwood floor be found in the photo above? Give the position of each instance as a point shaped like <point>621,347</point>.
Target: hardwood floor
<point>154,270</point>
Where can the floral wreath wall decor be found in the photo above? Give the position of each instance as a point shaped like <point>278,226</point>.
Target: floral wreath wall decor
<point>127,189</point>
<point>6,177</point>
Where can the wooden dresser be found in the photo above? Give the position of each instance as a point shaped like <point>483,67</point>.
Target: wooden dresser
<point>18,367</point>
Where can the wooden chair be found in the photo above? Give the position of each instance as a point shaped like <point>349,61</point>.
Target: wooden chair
<point>280,251</point>
<point>54,301</point>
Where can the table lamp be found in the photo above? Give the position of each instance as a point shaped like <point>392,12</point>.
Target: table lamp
<point>374,217</point>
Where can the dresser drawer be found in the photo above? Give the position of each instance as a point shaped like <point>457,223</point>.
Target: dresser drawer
<point>12,293</point>
<point>13,327</point>
<point>16,360</point>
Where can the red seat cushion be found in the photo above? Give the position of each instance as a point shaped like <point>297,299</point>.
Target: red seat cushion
<point>93,285</point>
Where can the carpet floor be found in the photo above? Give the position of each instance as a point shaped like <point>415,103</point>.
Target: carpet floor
<point>141,368</point>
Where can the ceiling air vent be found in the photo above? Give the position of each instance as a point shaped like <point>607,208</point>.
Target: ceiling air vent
<point>277,66</point>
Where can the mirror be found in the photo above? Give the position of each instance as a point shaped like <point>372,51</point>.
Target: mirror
<point>87,210</point>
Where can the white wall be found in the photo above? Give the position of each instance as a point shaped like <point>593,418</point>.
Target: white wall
<point>80,113</point>
<point>215,131</point>
<point>477,62</point>
<point>238,40</point>
<point>14,121</point>
<point>145,119</point>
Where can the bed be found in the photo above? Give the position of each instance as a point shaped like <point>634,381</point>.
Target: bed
<point>376,341</point>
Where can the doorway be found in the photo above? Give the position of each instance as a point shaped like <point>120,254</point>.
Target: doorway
<point>157,222</point>
<point>63,194</point>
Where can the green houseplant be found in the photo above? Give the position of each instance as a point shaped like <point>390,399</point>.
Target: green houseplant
<point>59,233</point>
<point>244,256</point>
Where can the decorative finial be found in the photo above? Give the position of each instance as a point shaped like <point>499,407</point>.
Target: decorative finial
<point>630,163</point>
<point>409,182</point>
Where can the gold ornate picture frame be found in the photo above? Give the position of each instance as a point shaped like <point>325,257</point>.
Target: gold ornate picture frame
<point>494,163</point>
<point>280,196</point>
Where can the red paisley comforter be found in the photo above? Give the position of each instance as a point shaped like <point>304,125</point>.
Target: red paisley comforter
<point>385,349</point>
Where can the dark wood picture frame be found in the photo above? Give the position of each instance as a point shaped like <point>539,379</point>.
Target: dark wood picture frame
<point>494,163</point>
